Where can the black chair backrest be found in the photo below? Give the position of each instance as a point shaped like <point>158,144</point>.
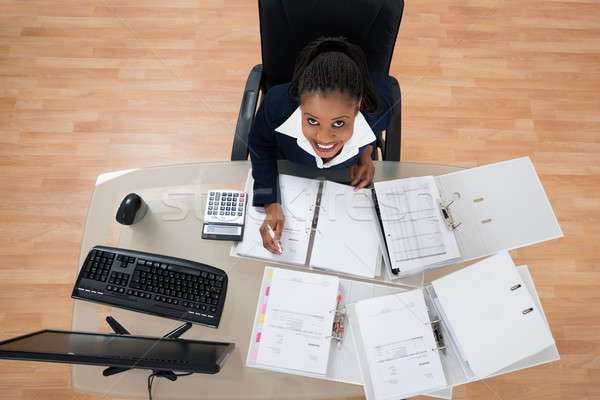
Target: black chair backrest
<point>286,26</point>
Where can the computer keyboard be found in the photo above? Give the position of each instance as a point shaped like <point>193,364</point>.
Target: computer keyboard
<point>154,284</point>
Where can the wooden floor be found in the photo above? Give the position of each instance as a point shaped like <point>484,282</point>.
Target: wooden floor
<point>93,86</point>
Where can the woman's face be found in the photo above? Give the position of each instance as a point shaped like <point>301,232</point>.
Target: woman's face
<point>328,121</point>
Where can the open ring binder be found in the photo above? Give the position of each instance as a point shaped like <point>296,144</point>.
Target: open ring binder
<point>436,326</point>
<point>339,326</point>
<point>448,218</point>
<point>460,330</point>
<point>474,205</point>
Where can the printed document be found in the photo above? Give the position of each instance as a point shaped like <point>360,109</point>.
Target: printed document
<point>346,239</point>
<point>415,233</point>
<point>298,197</point>
<point>399,345</point>
<point>298,319</point>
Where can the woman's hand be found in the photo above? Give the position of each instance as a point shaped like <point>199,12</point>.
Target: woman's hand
<point>363,171</point>
<point>275,220</point>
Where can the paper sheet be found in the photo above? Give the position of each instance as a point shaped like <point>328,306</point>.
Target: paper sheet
<point>297,321</point>
<point>346,239</point>
<point>400,348</point>
<point>484,304</point>
<point>415,233</point>
<point>298,197</point>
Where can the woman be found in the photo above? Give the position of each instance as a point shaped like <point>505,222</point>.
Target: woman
<point>324,118</point>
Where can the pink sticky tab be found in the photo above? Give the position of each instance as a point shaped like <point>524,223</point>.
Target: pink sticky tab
<point>263,310</point>
<point>268,288</point>
<point>258,337</point>
<point>254,356</point>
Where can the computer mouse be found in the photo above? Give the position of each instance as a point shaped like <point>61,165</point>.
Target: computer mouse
<point>131,210</point>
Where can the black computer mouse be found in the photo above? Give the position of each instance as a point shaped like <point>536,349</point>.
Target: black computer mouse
<point>131,210</point>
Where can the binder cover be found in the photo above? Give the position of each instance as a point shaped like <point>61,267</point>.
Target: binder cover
<point>499,206</point>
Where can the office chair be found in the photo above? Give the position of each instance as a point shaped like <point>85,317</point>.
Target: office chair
<point>286,26</point>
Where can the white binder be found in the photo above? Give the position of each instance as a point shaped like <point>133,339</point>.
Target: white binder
<point>458,364</point>
<point>495,207</point>
<point>343,363</point>
<point>347,362</point>
<point>488,209</point>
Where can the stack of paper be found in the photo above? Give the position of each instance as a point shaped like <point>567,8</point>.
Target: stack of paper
<point>298,197</point>
<point>346,238</point>
<point>295,321</point>
<point>401,351</point>
<point>416,236</point>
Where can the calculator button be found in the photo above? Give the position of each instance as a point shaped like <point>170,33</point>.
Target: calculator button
<point>222,212</point>
<point>227,213</point>
<point>210,203</point>
<point>227,208</point>
<point>210,207</point>
<point>241,194</point>
<point>239,214</point>
<point>224,194</point>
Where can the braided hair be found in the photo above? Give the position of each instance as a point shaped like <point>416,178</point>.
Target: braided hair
<point>334,64</point>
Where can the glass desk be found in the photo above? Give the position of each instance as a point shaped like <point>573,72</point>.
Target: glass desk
<point>176,197</point>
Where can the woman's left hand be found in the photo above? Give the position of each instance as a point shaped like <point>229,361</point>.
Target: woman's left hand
<point>363,171</point>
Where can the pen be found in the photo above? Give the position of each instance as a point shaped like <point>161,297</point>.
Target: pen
<point>273,237</point>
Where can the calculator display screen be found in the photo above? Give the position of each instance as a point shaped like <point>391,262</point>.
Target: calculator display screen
<point>223,229</point>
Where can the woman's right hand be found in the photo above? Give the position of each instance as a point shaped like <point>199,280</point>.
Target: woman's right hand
<point>275,219</point>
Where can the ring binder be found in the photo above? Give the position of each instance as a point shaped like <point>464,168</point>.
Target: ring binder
<point>448,216</point>
<point>527,310</point>
<point>436,326</point>
<point>339,323</point>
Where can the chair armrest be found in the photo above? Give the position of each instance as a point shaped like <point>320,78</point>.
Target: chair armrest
<point>239,150</point>
<point>394,132</point>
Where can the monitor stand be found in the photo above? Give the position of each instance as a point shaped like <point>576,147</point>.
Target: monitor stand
<point>120,330</point>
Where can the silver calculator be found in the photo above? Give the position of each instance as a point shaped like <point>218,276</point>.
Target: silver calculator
<point>224,215</point>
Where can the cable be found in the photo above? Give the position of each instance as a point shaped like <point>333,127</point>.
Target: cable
<point>155,374</point>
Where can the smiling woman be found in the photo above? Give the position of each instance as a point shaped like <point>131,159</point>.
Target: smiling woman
<point>327,120</point>
<point>328,116</point>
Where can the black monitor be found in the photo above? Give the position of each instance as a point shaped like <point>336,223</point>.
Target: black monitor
<point>122,351</point>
